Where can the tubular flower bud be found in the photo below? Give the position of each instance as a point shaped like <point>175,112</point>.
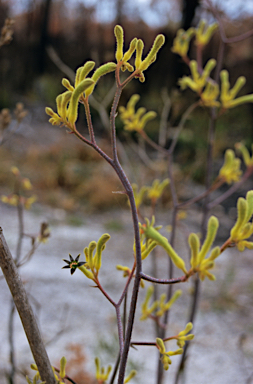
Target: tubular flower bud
<point>127,56</point>
<point>198,261</point>
<point>101,71</point>
<point>62,372</point>
<point>93,263</point>
<point>139,51</point>
<point>164,307</point>
<point>131,375</point>
<point>83,71</point>
<point>146,311</point>
<point>102,374</point>
<point>204,33</point>
<point>119,34</point>
<point>182,337</point>
<point>151,57</point>
<point>165,358</point>
<point>228,95</point>
<point>243,229</point>
<point>248,160</point>
<point>151,233</point>
<point>73,104</point>
<point>66,84</point>
<point>138,46</point>
<point>230,171</point>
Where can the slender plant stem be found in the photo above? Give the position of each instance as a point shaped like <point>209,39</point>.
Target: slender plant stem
<point>120,330</point>
<point>20,210</point>
<point>25,312</point>
<point>163,281</point>
<point>11,343</point>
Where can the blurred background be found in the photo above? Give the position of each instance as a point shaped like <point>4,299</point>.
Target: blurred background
<point>55,36</point>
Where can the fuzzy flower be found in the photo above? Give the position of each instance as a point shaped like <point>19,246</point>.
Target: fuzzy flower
<point>230,171</point>
<point>243,228</point>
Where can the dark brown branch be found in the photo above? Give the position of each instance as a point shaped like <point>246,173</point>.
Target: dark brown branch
<point>25,312</point>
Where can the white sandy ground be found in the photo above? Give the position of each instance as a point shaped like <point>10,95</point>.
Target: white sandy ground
<point>63,301</point>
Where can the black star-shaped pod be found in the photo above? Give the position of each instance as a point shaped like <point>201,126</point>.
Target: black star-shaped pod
<point>73,264</point>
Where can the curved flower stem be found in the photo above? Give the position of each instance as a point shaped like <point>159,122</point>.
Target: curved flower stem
<point>181,279</point>
<point>89,122</point>
<point>105,293</point>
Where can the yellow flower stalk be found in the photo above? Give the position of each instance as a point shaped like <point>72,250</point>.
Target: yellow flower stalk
<point>151,233</point>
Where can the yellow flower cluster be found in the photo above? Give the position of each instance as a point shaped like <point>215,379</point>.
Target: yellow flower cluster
<point>202,35</point>
<point>199,263</point>
<point>102,374</point>
<point>18,197</point>
<point>67,102</point>
<point>165,358</point>
<point>137,46</point>
<point>94,262</point>
<point>230,171</point>
<point>160,306</point>
<point>135,121</point>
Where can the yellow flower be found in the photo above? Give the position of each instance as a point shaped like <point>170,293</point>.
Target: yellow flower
<point>182,41</point>
<point>248,160</point>
<point>243,228</point>
<point>230,171</point>
<point>197,81</point>
<point>198,261</point>
<point>135,121</point>
<point>228,95</point>
<point>204,33</point>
